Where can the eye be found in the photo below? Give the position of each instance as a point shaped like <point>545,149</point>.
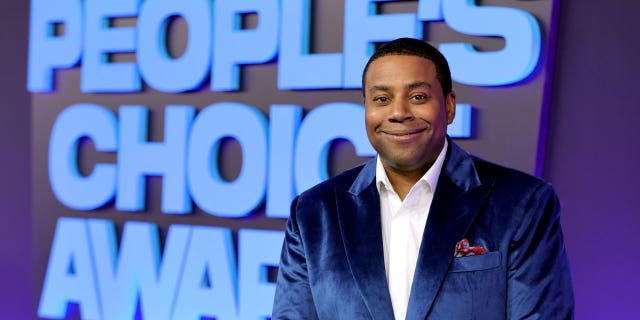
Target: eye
<point>381,100</point>
<point>419,98</point>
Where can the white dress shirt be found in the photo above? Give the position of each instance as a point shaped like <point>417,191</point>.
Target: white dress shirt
<point>403,224</point>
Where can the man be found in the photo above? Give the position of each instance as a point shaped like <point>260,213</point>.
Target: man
<point>425,230</point>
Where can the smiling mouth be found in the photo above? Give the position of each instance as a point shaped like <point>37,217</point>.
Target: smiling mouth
<point>403,133</point>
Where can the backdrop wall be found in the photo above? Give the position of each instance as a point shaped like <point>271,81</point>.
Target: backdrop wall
<point>15,237</point>
<point>590,158</point>
<point>593,152</point>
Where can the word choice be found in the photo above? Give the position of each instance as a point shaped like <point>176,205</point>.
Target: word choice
<point>281,157</point>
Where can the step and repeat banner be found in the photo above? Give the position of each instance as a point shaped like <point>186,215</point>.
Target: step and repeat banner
<point>169,137</point>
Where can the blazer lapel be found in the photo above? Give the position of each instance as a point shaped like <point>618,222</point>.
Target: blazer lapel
<point>360,225</point>
<point>459,195</point>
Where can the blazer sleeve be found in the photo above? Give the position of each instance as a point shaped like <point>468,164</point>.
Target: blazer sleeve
<point>539,279</point>
<point>293,299</point>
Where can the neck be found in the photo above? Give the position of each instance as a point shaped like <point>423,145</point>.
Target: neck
<point>403,180</point>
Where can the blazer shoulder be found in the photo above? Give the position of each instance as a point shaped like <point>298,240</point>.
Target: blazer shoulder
<point>343,180</point>
<point>314,205</point>
<point>508,176</point>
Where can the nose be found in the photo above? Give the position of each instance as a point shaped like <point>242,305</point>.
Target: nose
<point>400,112</point>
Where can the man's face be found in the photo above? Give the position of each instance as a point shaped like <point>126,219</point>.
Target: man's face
<point>406,113</point>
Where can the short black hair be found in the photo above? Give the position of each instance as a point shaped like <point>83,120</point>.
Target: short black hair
<point>418,48</point>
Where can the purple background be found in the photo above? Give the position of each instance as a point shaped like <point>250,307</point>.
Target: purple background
<point>590,157</point>
<point>593,152</point>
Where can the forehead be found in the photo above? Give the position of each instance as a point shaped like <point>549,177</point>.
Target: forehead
<point>400,68</point>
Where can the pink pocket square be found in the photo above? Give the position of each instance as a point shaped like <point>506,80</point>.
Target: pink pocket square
<point>464,249</point>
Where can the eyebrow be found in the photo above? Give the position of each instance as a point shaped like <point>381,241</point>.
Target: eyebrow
<point>379,88</point>
<point>416,85</point>
<point>410,86</point>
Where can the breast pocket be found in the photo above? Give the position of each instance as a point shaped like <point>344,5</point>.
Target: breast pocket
<point>481,262</point>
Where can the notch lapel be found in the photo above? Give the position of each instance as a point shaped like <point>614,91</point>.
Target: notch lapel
<point>458,198</point>
<point>360,225</point>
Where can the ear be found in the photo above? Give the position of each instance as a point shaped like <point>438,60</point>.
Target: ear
<point>450,106</point>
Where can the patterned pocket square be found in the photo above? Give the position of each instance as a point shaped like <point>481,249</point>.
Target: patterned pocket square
<point>464,249</point>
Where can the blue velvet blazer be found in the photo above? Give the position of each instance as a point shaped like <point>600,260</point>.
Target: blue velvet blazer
<point>332,263</point>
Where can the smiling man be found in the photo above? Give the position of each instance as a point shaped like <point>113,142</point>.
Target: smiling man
<point>425,230</point>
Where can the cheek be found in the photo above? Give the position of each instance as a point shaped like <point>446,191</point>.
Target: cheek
<point>436,114</point>
<point>370,125</point>
<point>370,119</point>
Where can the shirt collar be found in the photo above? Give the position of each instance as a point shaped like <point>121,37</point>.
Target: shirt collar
<point>430,177</point>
